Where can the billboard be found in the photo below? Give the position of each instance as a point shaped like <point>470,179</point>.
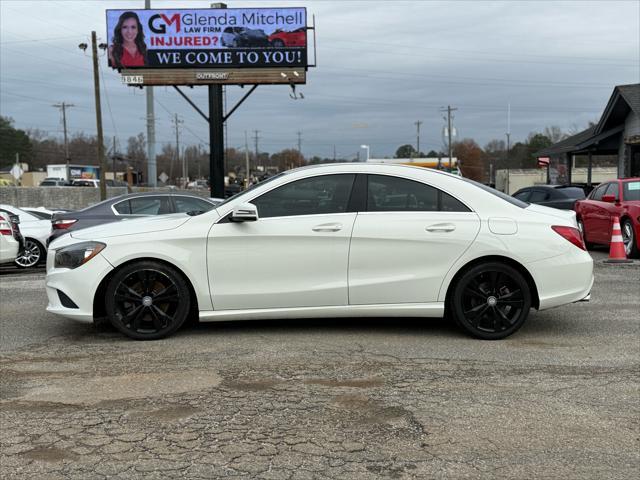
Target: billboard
<point>234,38</point>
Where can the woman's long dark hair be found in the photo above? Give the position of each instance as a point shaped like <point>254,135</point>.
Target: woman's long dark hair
<point>118,40</point>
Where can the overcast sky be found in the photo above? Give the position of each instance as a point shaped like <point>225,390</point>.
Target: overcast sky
<point>382,66</point>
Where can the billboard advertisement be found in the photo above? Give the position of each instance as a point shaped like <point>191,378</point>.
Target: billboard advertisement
<point>207,38</point>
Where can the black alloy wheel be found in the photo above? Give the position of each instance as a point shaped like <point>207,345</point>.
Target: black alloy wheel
<point>147,300</point>
<point>277,43</point>
<point>31,256</point>
<point>491,301</point>
<point>629,239</point>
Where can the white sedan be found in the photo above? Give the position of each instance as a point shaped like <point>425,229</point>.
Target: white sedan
<point>36,232</point>
<point>9,246</point>
<point>346,240</point>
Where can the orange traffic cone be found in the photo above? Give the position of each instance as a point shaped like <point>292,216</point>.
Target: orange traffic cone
<point>617,253</point>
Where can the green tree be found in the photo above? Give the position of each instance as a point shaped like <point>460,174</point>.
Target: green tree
<point>13,141</point>
<point>406,151</point>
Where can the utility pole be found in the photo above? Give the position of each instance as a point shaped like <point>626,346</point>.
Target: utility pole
<point>299,133</point>
<point>152,173</point>
<point>113,158</point>
<point>449,119</point>
<point>63,106</point>
<point>417,124</point>
<point>334,153</point>
<point>246,160</point>
<point>256,132</point>
<point>508,144</point>
<point>176,124</point>
<point>96,86</point>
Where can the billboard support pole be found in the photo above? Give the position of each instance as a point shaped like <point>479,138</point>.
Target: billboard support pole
<point>216,141</point>
<point>152,172</point>
<point>239,103</point>
<point>191,103</point>
<point>96,86</point>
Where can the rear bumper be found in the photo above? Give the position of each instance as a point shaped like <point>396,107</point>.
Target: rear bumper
<point>563,279</point>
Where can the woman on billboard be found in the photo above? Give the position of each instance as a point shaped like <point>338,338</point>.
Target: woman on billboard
<point>128,48</point>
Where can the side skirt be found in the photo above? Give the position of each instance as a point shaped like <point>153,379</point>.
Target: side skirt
<point>435,309</point>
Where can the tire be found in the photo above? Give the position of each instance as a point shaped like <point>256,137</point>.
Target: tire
<point>584,234</point>
<point>278,43</point>
<point>490,301</point>
<point>629,238</point>
<point>32,255</point>
<point>147,300</point>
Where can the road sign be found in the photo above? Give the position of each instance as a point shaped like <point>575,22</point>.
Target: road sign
<point>16,172</point>
<point>163,177</point>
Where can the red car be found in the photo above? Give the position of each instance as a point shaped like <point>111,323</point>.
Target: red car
<point>595,214</point>
<point>297,38</point>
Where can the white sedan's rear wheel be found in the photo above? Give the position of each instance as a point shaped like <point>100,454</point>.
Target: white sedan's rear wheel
<point>491,301</point>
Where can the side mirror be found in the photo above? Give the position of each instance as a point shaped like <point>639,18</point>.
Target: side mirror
<point>609,198</point>
<point>246,212</point>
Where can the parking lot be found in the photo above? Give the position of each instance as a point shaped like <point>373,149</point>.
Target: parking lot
<point>366,398</point>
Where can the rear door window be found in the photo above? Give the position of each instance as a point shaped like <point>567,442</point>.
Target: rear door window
<point>631,191</point>
<point>538,196</point>
<point>393,194</point>
<point>523,195</point>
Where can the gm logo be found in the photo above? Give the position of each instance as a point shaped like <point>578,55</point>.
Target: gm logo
<point>158,22</point>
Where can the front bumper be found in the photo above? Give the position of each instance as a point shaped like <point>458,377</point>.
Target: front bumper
<point>79,284</point>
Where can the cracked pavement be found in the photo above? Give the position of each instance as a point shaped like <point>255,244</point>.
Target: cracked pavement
<point>325,399</point>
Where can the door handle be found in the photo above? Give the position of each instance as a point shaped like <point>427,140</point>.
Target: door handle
<point>328,227</point>
<point>441,227</point>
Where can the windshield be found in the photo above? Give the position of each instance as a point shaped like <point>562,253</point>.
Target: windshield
<point>631,190</point>
<point>241,194</point>
<point>493,191</point>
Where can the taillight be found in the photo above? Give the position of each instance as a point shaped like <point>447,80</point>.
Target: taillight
<point>5,228</point>
<point>571,234</point>
<point>62,224</point>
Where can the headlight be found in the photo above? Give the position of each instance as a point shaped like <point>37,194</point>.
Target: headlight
<point>78,254</point>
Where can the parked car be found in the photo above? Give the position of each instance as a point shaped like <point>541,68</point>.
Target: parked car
<point>555,196</point>
<point>54,182</point>
<point>85,182</point>
<point>36,232</point>
<point>339,240</point>
<point>9,245</point>
<point>239,37</point>
<point>295,38</point>
<point>620,198</point>
<point>126,207</point>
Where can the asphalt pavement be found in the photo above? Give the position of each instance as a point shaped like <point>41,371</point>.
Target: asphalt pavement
<point>348,398</point>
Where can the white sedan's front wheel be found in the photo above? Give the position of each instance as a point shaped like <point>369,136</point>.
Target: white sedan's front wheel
<point>147,300</point>
<point>31,256</point>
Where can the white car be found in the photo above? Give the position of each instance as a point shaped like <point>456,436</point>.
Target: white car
<point>9,246</point>
<point>347,240</point>
<point>36,233</point>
